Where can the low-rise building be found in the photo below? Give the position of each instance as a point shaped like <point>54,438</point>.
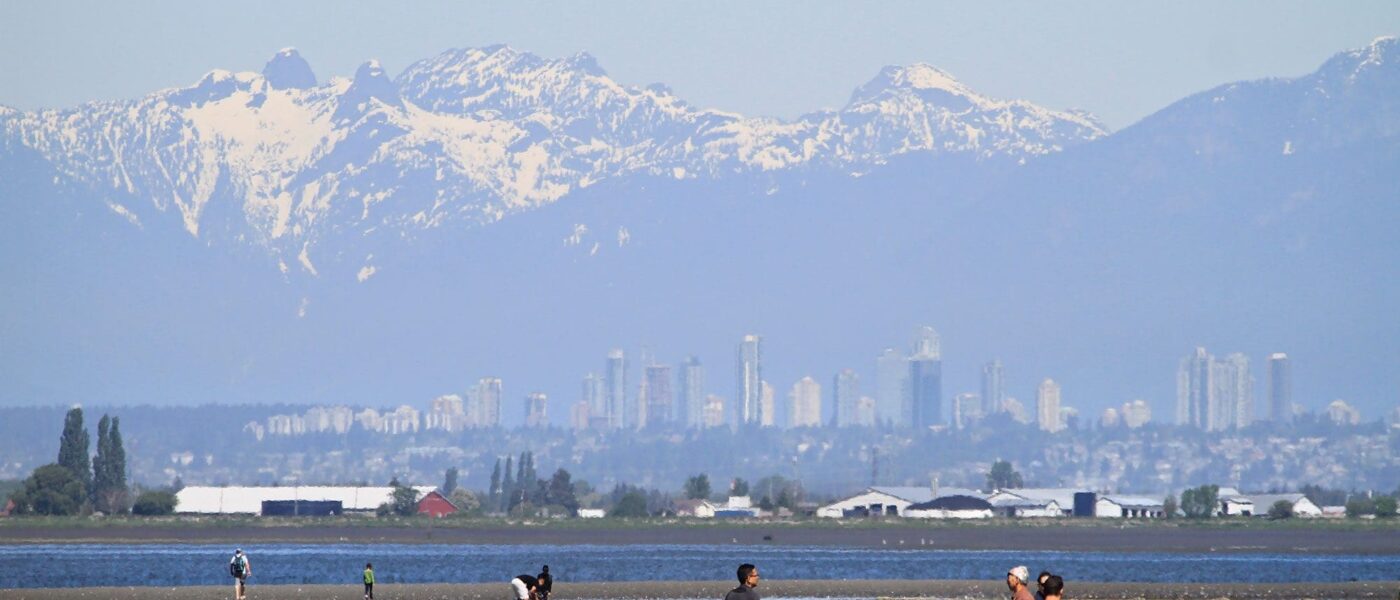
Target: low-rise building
<point>248,500</point>
<point>887,501</point>
<point>700,509</point>
<point>1015,506</point>
<point>1128,507</point>
<point>1234,504</point>
<point>1062,497</point>
<point>436,505</point>
<point>1301,505</point>
<point>951,507</point>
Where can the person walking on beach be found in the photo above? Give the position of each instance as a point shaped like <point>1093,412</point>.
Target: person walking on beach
<point>240,569</point>
<point>524,587</point>
<point>1054,588</point>
<point>1016,579</point>
<point>369,581</point>
<point>748,580</point>
<point>544,584</point>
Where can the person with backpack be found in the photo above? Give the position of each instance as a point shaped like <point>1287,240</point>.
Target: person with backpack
<point>240,569</point>
<point>369,581</point>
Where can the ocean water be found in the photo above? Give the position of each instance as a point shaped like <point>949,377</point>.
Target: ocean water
<point>84,565</point>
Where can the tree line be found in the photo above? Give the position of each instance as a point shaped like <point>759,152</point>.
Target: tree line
<point>84,483</point>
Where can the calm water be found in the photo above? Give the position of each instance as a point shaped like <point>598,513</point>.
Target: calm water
<point>70,565</point>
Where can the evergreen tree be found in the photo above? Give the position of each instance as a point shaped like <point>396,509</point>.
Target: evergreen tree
<point>698,487</point>
<point>73,447</point>
<point>109,468</point>
<point>507,487</point>
<point>117,465</point>
<point>449,483</point>
<point>494,493</point>
<point>1003,476</point>
<point>100,467</point>
<point>561,491</point>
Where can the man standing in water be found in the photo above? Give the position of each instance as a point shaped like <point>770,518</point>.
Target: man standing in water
<point>748,580</point>
<point>1016,580</point>
<point>240,569</point>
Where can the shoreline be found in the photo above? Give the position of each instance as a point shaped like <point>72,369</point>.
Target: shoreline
<point>1021,537</point>
<point>714,590</point>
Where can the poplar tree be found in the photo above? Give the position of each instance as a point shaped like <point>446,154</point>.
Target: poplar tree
<point>100,465</point>
<point>494,493</point>
<point>73,447</point>
<point>507,487</point>
<point>109,468</point>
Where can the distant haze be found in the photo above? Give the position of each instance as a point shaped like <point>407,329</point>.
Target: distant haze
<point>515,211</point>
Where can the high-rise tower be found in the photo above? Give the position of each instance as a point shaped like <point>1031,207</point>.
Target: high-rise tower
<point>993,387</point>
<point>692,393</point>
<point>924,397</point>
<point>845,394</point>
<point>615,389</point>
<point>891,377</point>
<point>748,399</point>
<point>1047,406</point>
<point>1280,388</point>
<point>805,403</point>
<point>1193,389</point>
<point>659,398</point>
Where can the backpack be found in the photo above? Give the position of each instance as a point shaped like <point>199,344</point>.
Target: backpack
<point>235,567</point>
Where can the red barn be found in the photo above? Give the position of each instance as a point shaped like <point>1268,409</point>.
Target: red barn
<point>436,505</point>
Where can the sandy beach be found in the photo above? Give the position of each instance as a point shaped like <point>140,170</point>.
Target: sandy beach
<point>715,590</point>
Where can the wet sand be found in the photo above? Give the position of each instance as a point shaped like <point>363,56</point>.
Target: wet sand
<point>714,590</point>
<point>1027,536</point>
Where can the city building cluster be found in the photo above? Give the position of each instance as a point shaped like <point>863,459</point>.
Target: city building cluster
<point>1213,394</point>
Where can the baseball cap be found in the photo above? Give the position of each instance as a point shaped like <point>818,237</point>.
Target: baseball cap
<point>1021,572</point>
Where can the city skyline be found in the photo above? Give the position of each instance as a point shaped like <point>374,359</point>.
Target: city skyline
<point>1213,394</point>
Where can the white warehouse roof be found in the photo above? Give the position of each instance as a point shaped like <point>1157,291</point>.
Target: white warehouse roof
<point>248,499</point>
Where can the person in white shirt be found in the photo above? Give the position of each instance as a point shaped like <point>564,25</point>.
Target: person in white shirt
<point>523,587</point>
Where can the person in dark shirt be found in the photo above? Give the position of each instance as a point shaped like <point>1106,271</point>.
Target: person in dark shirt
<point>523,587</point>
<point>748,580</point>
<point>1054,587</point>
<point>544,583</point>
<point>1040,584</point>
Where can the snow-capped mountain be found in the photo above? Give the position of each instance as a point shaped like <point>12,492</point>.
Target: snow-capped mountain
<point>474,135</point>
<point>1352,98</point>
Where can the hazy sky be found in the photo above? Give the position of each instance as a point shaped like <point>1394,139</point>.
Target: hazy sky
<point>1119,60</point>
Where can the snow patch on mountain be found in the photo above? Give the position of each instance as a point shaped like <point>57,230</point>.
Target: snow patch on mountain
<point>476,134</point>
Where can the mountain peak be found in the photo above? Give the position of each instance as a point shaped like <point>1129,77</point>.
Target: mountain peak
<point>288,70</point>
<point>923,76</point>
<point>918,77</point>
<point>370,82</point>
<point>586,63</point>
<point>1382,52</point>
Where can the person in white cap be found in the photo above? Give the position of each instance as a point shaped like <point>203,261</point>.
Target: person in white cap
<point>1016,580</point>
